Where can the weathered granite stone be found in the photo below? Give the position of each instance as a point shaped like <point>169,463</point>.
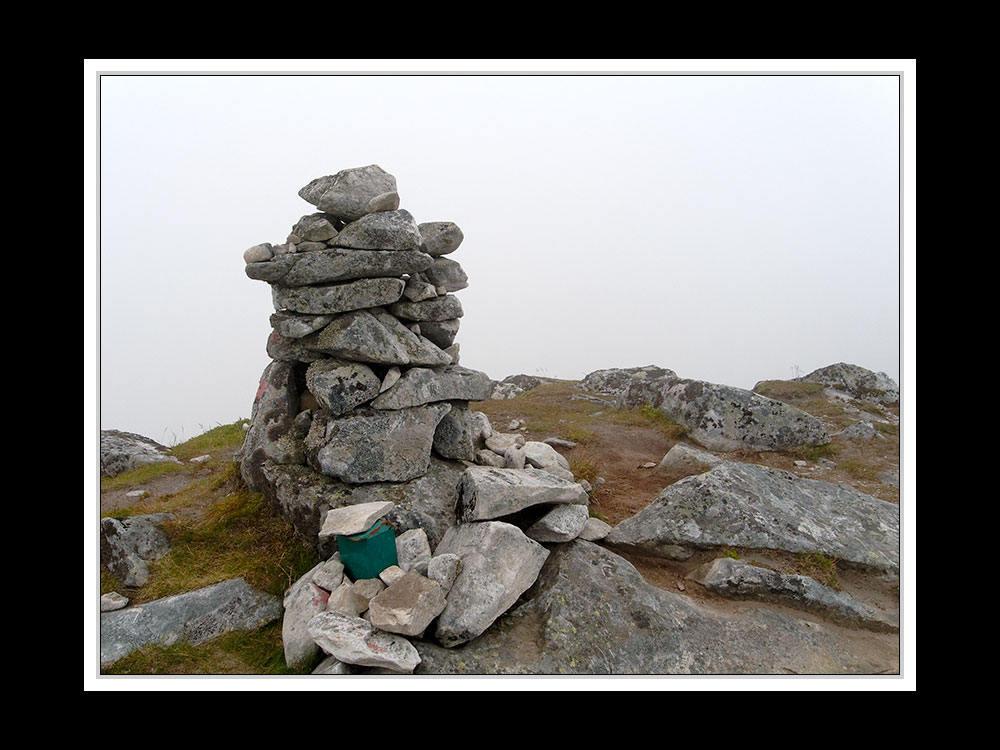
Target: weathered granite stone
<point>559,443</point>
<point>613,381</point>
<point>315,228</point>
<point>385,230</point>
<point>594,530</point>
<point>736,579</point>
<point>862,430</point>
<point>439,309</point>
<point>486,457</point>
<point>113,601</point>
<point>444,569</point>
<point>346,600</point>
<point>303,601</point>
<point>359,336</point>
<point>441,332</point>
<point>408,606</point>
<point>193,617</point>
<point>591,612</point>
<point>128,544</point>
<point>258,253</point>
<point>444,272</point>
<point>420,385</point>
<point>487,493</point>
<point>308,247</point>
<point>417,290</point>
<point>302,497</point>
<point>440,237</point>
<point>757,507</point>
<point>353,519</point>
<point>272,434</point>
<point>355,641</point>
<point>293,326</point>
<point>563,523</point>
<point>352,193</point>
<point>412,549</point>
<point>124,451</point>
<point>383,446</point>
<point>392,375</point>
<point>290,350</point>
<point>862,384</point>
<point>366,589</point>
<point>419,350</point>
<point>683,459</point>
<point>544,456</point>
<point>328,575</point>
<point>341,386</point>
<point>456,434</point>
<point>499,442</point>
<point>513,457</point>
<point>337,298</point>
<point>391,574</point>
<point>499,563</point>
<point>723,418</point>
<point>329,265</point>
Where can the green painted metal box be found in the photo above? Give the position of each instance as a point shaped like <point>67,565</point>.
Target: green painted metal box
<point>367,554</point>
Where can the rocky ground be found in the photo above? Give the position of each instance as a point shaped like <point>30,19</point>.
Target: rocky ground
<point>756,604</point>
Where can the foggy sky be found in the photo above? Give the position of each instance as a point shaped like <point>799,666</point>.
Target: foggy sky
<point>731,228</point>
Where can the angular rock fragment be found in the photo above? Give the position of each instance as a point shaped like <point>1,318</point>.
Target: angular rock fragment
<point>488,493</point>
<point>408,606</point>
<point>328,265</point>
<point>499,442</point>
<point>417,290</point>
<point>456,434</point>
<point>420,385</point>
<point>355,641</point>
<point>441,332</point>
<point>353,519</point>
<point>124,451</point>
<point>303,601</point>
<point>444,569</point>
<point>413,549</point>
<point>594,530</point>
<point>272,435</point>
<point>499,563</point>
<point>683,459</point>
<point>446,273</point>
<point>563,523</point>
<point>113,601</point>
<point>340,387</point>
<point>315,228</point>
<point>294,326</point>
<point>128,544</point>
<point>360,337</point>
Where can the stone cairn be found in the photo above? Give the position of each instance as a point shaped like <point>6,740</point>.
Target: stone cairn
<point>362,418</point>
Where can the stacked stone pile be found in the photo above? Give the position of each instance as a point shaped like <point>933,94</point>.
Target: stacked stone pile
<point>363,417</point>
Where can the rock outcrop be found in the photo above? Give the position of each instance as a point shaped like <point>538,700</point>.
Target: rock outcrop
<point>128,544</point>
<point>757,507</point>
<point>124,451</point>
<point>613,381</point>
<point>859,383</point>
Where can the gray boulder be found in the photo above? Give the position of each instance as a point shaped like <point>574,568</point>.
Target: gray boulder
<point>486,493</point>
<point>499,563</point>
<point>439,309</point>
<point>594,530</point>
<point>353,193</point>
<point>113,601</point>
<point>862,430</point>
<point>420,350</point>
<point>353,519</point>
<point>417,290</point>
<point>736,579</point>
<point>340,387</point>
<point>613,381</point>
<point>456,434</point>
<point>295,326</point>
<point>303,601</point>
<point>413,550</point>
<point>315,228</point>
<point>420,385</point>
<point>258,253</point>
<point>441,332</point>
<point>591,612</point>
<point>193,617</point>
<point>330,299</point>
<point>444,569</point>
<point>861,384</point>
<point>359,336</point>
<point>124,451</point>
<point>386,230</point>
<point>381,446</point>
<point>128,544</point>
<point>337,264</point>
<point>757,507</point>
<point>408,606</point>
<point>723,418</point>
<point>331,666</point>
<point>563,523</point>
<point>440,237</point>
<point>353,640</point>
<point>444,272</point>
<point>513,386</point>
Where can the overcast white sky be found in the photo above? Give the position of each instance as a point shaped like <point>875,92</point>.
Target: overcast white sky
<point>731,228</point>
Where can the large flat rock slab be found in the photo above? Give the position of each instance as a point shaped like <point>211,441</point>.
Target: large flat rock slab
<point>744,505</point>
<point>329,299</point>
<point>337,264</point>
<point>194,617</point>
<point>423,385</point>
<point>487,493</point>
<point>591,612</point>
<point>724,418</point>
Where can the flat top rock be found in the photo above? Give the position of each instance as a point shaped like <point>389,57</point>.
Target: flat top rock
<point>354,519</point>
<point>351,193</point>
<point>757,507</point>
